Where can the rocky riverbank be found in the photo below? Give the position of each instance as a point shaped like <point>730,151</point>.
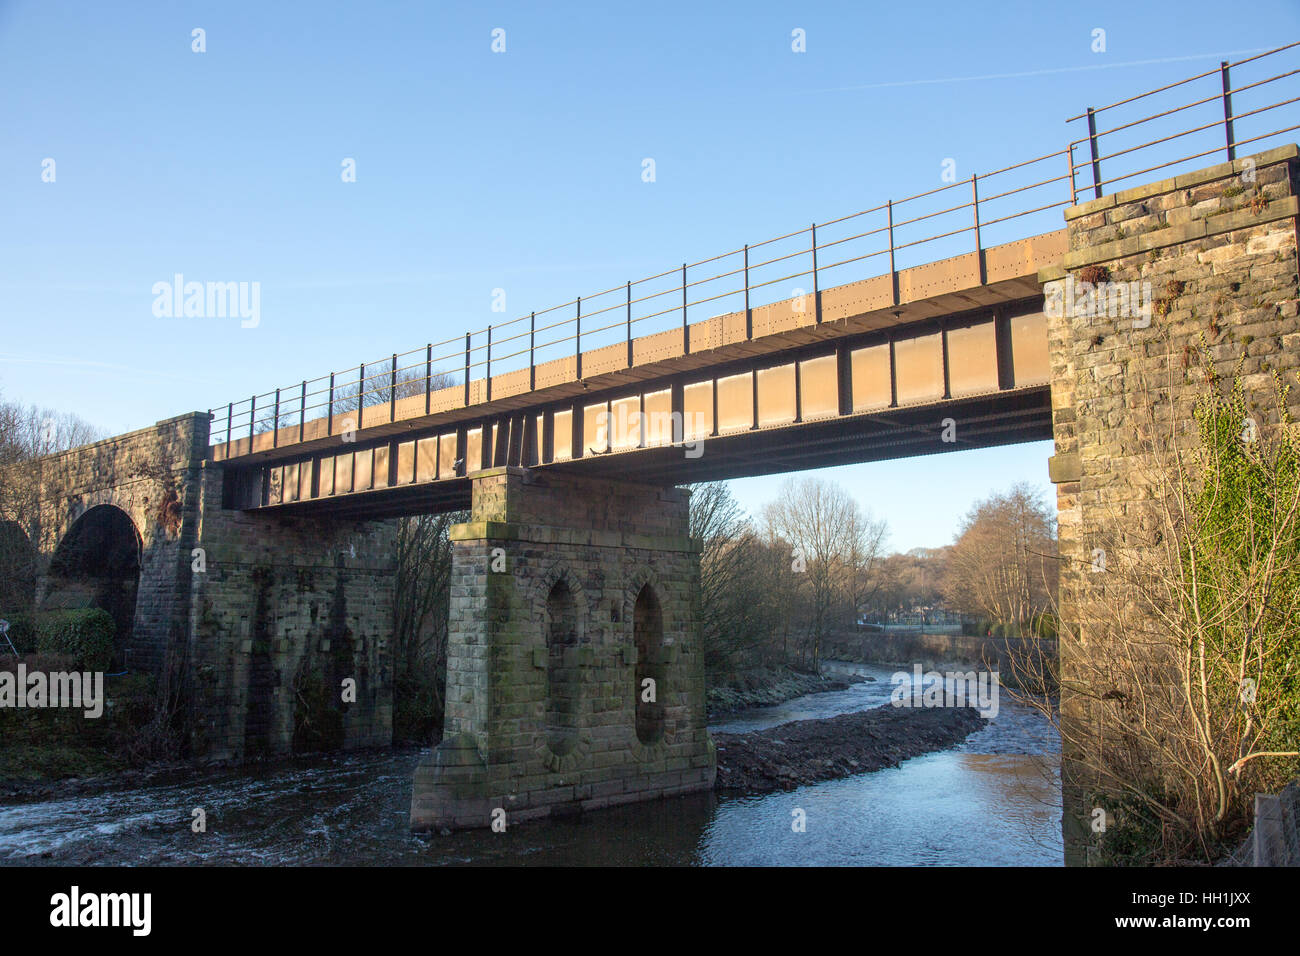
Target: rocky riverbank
<point>764,688</point>
<point>807,751</point>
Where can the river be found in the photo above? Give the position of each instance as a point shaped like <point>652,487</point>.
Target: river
<point>992,800</point>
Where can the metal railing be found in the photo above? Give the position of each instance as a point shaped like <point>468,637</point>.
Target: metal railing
<point>964,213</point>
<point>1214,117</point>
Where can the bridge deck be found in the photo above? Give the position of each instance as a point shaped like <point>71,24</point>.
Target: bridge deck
<point>861,374</point>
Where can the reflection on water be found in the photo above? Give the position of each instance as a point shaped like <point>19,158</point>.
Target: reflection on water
<point>945,809</point>
<point>993,800</point>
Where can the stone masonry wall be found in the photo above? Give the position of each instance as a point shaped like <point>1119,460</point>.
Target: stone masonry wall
<point>1218,248</point>
<point>281,612</point>
<point>605,540</point>
<point>284,611</point>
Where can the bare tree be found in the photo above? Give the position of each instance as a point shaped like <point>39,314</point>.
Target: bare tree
<point>740,595</point>
<point>421,603</point>
<point>835,545</point>
<point>1003,563</point>
<point>908,583</point>
<point>26,434</point>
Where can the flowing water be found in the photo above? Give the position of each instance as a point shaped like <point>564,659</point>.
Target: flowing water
<point>992,800</point>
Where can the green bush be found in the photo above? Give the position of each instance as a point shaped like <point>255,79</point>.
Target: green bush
<point>85,635</point>
<point>1045,625</point>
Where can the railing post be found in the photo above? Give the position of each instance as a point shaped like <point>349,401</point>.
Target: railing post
<point>230,415</point>
<point>392,392</point>
<point>577,340</point>
<point>302,412</point>
<point>361,392</point>
<point>467,334</point>
<point>686,328</point>
<point>979,247</point>
<point>1096,162</point>
<point>893,272</point>
<point>1069,158</point>
<point>817,295</point>
<point>749,318</point>
<point>487,379</point>
<point>1227,111</point>
<point>428,375</point>
<point>532,345</point>
<point>629,324</point>
<point>329,425</point>
<point>275,422</point>
<point>252,418</point>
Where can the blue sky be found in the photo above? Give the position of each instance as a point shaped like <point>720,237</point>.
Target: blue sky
<point>519,170</point>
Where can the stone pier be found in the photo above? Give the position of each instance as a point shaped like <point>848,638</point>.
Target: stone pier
<point>574,677</point>
<point>285,611</point>
<point>1217,250</point>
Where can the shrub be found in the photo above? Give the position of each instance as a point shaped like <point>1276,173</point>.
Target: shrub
<point>86,635</point>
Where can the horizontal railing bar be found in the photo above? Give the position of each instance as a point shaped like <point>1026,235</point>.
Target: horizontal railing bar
<point>1198,129</point>
<point>1260,56</point>
<point>854,215</point>
<point>1213,98</point>
<point>919,242</point>
<point>788,255</point>
<point>554,325</point>
<point>931,192</point>
<point>720,275</point>
<point>714,298</point>
<point>865,255</point>
<point>1207,152</point>
<point>1276,132</point>
<point>793,275</point>
<point>587,333</point>
<point>768,242</point>
<point>932,215</point>
<point>1270,79</point>
<point>1021,189</point>
<point>1190,79</point>
<point>1159,89</point>
<point>675,269</point>
<point>1027,212</point>
<point>1027,162</point>
<point>860,235</point>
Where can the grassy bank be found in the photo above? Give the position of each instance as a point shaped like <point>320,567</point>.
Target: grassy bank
<point>57,743</point>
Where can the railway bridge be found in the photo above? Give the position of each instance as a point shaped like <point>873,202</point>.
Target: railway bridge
<point>255,539</point>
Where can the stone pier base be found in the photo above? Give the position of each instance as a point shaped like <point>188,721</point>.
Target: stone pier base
<point>574,677</point>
